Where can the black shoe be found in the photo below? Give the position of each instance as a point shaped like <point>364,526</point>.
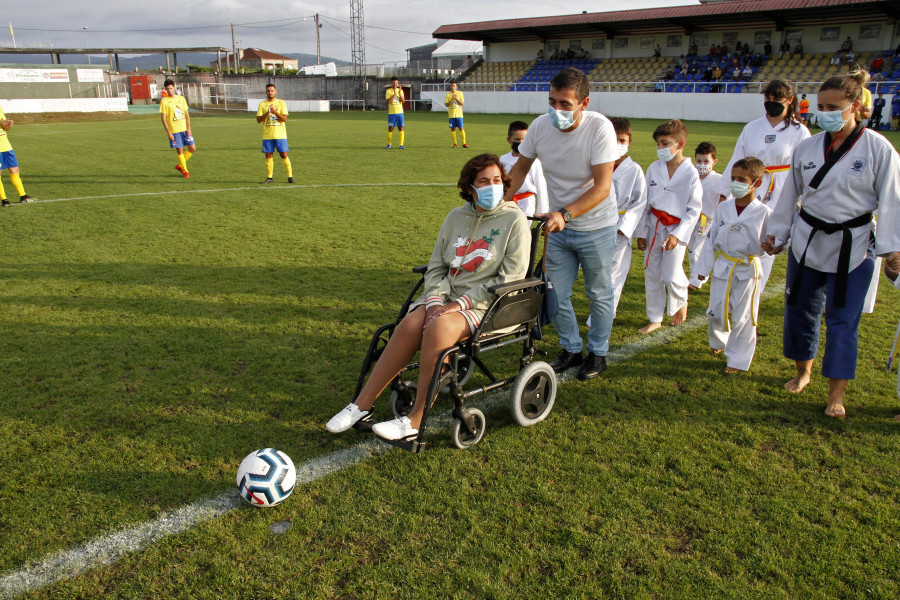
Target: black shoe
<point>6,203</point>
<point>26,199</point>
<point>565,360</point>
<point>268,180</point>
<point>291,180</point>
<point>593,365</point>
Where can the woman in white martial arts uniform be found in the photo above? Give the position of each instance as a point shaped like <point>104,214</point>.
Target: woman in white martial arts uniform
<point>838,179</point>
<point>771,139</point>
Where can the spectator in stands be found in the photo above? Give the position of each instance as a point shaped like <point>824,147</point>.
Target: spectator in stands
<point>708,73</point>
<point>736,74</point>
<point>836,58</point>
<point>747,73</point>
<point>746,48</point>
<point>540,55</point>
<point>670,74</point>
<point>738,48</point>
<point>888,67</point>
<point>657,52</point>
<point>583,55</point>
<point>577,149</point>
<point>736,61</point>
<point>684,66</point>
<point>895,111</point>
<point>785,49</point>
<point>723,49</point>
<point>756,61</point>
<point>745,59</point>
<point>694,69</point>
<point>847,46</point>
<point>767,48</point>
<point>850,57</point>
<point>692,50</point>
<point>713,51</point>
<point>570,54</point>
<point>876,65</point>
<point>877,76</point>
<point>877,109</point>
<point>798,49</point>
<point>717,72</point>
<point>555,55</point>
<point>660,86</point>
<point>897,50</point>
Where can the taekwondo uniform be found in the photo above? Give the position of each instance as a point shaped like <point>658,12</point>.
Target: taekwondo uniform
<point>830,264</point>
<point>732,254</point>
<point>673,208</point>
<point>773,146</point>
<point>710,185</point>
<point>628,180</point>
<point>532,196</point>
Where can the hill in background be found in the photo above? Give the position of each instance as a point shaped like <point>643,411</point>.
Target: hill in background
<point>147,62</point>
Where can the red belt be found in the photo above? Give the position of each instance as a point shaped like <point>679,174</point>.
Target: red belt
<point>522,196</point>
<point>664,218</point>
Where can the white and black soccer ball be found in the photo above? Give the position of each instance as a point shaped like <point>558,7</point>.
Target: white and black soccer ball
<point>266,477</point>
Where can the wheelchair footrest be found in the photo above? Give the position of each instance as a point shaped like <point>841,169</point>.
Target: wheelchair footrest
<point>408,445</point>
<point>364,425</point>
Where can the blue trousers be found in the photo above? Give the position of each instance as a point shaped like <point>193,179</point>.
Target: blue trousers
<point>593,251</point>
<point>802,322</point>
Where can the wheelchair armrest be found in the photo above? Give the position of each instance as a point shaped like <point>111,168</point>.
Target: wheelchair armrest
<point>420,269</point>
<point>514,286</point>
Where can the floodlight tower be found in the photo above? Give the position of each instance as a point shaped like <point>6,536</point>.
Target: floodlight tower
<point>358,47</point>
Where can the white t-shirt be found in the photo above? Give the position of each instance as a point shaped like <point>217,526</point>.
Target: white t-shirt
<point>567,158</point>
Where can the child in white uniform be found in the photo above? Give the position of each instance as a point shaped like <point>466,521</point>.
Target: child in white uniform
<point>771,139</point>
<point>674,200</point>
<point>838,179</point>
<point>705,160</point>
<point>532,196</point>
<point>732,254</point>
<point>630,187</point>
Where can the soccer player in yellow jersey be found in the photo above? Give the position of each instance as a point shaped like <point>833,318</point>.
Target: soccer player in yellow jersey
<point>8,161</point>
<point>273,114</point>
<point>394,98</point>
<point>454,102</point>
<point>177,123</point>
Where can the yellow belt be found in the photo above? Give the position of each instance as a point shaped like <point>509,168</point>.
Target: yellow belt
<point>703,219</point>
<point>772,170</point>
<point>622,212</point>
<point>750,260</point>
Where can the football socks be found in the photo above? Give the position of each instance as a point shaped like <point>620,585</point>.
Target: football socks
<point>187,155</point>
<point>462,132</point>
<point>390,137</point>
<point>17,183</point>
<point>287,166</point>
<point>270,167</point>
<point>2,191</point>
<point>182,162</point>
<point>453,135</point>
<point>402,136</point>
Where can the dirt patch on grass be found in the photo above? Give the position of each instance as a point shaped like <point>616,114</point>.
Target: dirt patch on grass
<point>69,117</point>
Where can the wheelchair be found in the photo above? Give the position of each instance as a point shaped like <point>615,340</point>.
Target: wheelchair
<point>511,318</point>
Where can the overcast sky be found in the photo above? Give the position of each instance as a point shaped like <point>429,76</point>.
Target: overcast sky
<point>167,23</point>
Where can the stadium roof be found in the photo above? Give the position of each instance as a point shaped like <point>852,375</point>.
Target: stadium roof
<point>711,16</point>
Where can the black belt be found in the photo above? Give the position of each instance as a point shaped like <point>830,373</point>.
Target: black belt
<point>843,266</point>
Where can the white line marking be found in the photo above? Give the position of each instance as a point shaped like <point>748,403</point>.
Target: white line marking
<point>109,549</point>
<point>238,189</point>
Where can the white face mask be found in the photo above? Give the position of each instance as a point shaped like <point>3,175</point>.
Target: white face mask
<point>664,154</point>
<point>489,196</point>
<point>704,169</point>
<point>622,149</point>
<point>832,121</point>
<point>739,189</point>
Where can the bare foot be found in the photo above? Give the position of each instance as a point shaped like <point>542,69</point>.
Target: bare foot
<point>650,327</point>
<point>732,371</point>
<point>797,384</point>
<point>836,411</point>
<point>681,316</point>
<point>716,350</point>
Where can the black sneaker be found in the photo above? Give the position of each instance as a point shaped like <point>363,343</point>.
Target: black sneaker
<point>565,360</point>
<point>26,199</point>
<point>593,365</point>
<point>268,180</point>
<point>291,180</point>
<point>6,203</point>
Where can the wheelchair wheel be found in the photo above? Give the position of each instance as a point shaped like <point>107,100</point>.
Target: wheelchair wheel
<point>463,439</point>
<point>464,372</point>
<point>533,394</point>
<point>402,401</point>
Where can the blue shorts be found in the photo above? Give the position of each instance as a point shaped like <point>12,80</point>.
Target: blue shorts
<point>456,122</point>
<point>8,159</point>
<point>395,120</point>
<point>181,140</point>
<point>271,146</point>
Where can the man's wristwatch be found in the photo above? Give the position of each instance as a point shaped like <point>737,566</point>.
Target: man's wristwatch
<point>566,215</point>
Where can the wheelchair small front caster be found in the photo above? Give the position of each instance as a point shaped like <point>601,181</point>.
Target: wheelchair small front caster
<point>460,434</point>
<point>402,400</point>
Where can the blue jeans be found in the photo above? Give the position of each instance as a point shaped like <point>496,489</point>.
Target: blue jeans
<point>593,251</point>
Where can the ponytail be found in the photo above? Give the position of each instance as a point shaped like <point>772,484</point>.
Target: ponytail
<point>851,84</point>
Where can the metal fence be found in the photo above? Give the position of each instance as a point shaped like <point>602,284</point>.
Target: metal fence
<point>726,87</point>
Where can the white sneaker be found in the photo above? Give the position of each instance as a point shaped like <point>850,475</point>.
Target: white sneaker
<point>398,429</point>
<point>347,418</point>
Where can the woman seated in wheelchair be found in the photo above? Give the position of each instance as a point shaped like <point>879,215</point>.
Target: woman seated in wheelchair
<point>483,243</point>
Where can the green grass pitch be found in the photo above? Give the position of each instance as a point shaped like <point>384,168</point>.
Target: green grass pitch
<point>155,330</point>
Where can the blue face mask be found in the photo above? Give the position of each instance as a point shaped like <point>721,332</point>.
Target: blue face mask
<point>664,154</point>
<point>489,196</point>
<point>739,189</point>
<point>561,119</point>
<point>831,120</point>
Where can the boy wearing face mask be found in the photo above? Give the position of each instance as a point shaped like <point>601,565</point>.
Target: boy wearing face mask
<point>630,187</point>
<point>674,200</point>
<point>732,254</point>
<point>532,196</point>
<point>705,160</point>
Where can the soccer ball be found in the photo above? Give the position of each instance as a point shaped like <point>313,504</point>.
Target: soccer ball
<point>266,477</point>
